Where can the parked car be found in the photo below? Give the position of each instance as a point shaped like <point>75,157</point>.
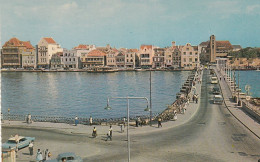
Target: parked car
<point>216,90</point>
<point>68,156</point>
<point>20,141</point>
<point>218,99</point>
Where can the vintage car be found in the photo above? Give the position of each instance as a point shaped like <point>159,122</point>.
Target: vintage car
<point>216,90</point>
<point>67,156</point>
<point>218,99</point>
<point>214,80</point>
<point>19,141</point>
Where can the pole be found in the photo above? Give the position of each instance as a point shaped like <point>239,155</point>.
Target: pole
<point>128,137</point>
<point>150,98</point>
<point>238,90</point>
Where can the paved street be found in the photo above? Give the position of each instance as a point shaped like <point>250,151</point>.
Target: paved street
<point>212,134</point>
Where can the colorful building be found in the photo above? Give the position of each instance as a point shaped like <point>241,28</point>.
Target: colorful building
<point>46,48</point>
<point>145,55</point>
<point>95,58</point>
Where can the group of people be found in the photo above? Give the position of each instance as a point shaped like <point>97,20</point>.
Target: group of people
<point>43,156</point>
<point>109,134</point>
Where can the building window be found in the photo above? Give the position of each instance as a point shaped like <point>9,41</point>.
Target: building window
<point>190,59</point>
<point>190,53</point>
<point>184,53</point>
<point>184,60</point>
<point>74,59</point>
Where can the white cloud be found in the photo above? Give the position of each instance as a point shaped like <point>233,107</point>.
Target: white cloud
<point>253,9</point>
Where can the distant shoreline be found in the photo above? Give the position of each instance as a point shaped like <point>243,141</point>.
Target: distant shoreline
<point>83,70</point>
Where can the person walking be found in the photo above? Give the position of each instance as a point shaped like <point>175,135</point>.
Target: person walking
<point>76,120</point>
<point>31,148</point>
<point>124,120</point>
<point>110,132</point>
<point>159,122</point>
<point>108,136</point>
<point>39,156</point>
<point>220,78</point>
<point>90,121</point>
<point>94,133</point>
<point>196,98</point>
<point>46,154</point>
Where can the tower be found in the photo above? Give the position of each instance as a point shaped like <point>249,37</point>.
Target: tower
<point>212,48</point>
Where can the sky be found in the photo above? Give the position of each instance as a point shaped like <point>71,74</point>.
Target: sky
<point>130,23</point>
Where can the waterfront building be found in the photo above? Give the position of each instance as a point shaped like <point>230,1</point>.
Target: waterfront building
<point>146,54</point>
<point>95,58</point>
<point>69,59</point>
<point>111,57</point>
<point>202,48</point>
<point>120,59</point>
<point>189,57</point>
<point>158,58</point>
<point>55,62</point>
<point>216,49</point>
<point>130,58</point>
<point>28,56</point>
<point>243,63</point>
<point>82,51</point>
<point>46,48</point>
<point>176,57</point>
<point>11,53</point>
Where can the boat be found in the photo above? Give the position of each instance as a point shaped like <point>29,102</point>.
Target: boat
<point>102,70</point>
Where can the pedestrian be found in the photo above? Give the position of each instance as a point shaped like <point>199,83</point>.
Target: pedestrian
<point>76,120</point>
<point>29,119</point>
<point>109,137</point>
<point>94,133</point>
<point>193,98</point>
<point>90,121</point>
<point>110,132</point>
<point>124,120</point>
<point>2,117</point>
<point>196,98</point>
<point>136,122</point>
<point>139,121</point>
<point>49,156</point>
<point>46,154</point>
<point>121,128</point>
<point>31,148</point>
<point>220,78</point>
<point>159,122</point>
<point>39,156</point>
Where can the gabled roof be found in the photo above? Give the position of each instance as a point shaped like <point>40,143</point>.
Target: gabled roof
<point>146,46</point>
<point>28,44</point>
<point>96,53</point>
<point>224,44</point>
<point>204,44</point>
<point>49,40</point>
<point>236,46</point>
<point>132,50</point>
<point>13,42</point>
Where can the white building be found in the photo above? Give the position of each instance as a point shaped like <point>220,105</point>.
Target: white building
<point>46,48</point>
<point>70,59</point>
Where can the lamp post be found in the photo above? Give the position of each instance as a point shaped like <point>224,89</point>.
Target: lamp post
<point>127,98</point>
<point>150,97</point>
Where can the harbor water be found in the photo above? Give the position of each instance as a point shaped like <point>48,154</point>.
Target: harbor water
<point>67,94</point>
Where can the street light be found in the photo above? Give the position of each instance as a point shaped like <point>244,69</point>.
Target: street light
<point>146,109</point>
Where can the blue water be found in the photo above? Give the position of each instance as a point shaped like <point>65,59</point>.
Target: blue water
<point>84,94</point>
<point>251,78</point>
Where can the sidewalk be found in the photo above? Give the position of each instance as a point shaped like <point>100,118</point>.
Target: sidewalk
<point>103,130</point>
<point>237,112</point>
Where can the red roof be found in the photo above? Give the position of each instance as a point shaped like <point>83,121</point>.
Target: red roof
<point>50,40</point>
<point>96,53</point>
<point>28,44</point>
<point>13,42</point>
<point>146,46</point>
<point>81,46</point>
<point>224,44</point>
<point>133,50</point>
